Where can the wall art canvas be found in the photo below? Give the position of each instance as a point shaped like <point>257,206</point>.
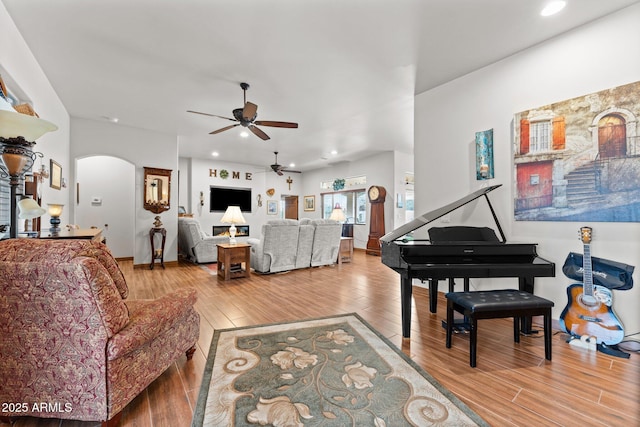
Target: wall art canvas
<point>579,159</point>
<point>484,155</point>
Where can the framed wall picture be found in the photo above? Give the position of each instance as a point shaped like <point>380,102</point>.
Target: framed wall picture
<point>55,177</point>
<point>309,203</point>
<point>272,207</point>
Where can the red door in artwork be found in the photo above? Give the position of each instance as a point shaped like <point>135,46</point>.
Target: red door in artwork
<point>612,136</point>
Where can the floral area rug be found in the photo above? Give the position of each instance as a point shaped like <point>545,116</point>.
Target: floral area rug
<point>335,371</point>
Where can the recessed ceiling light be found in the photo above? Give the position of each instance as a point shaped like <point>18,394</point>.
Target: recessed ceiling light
<point>292,165</point>
<point>553,7</point>
<point>334,152</point>
<point>244,134</point>
<point>215,154</point>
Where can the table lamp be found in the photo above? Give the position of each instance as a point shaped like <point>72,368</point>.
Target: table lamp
<point>17,135</point>
<point>232,216</point>
<point>55,210</point>
<point>29,209</point>
<point>337,213</point>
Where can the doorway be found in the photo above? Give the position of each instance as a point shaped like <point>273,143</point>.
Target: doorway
<point>612,136</point>
<point>290,207</point>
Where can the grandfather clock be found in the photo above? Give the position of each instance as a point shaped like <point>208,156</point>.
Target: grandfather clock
<point>376,223</point>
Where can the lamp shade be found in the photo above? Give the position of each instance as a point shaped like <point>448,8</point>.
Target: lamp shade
<point>14,124</point>
<point>337,214</point>
<point>55,210</point>
<point>30,209</point>
<point>233,215</point>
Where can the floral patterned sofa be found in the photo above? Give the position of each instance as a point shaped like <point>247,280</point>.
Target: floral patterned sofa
<point>71,339</point>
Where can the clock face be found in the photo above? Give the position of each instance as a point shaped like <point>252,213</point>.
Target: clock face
<point>374,192</point>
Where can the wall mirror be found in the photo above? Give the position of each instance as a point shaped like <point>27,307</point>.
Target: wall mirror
<point>157,189</point>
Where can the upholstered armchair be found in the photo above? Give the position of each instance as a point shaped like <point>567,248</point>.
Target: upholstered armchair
<point>326,242</point>
<point>195,244</point>
<point>277,247</point>
<point>71,339</point>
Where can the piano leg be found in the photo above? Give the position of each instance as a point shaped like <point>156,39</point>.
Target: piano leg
<point>406,290</point>
<point>433,295</point>
<point>526,284</point>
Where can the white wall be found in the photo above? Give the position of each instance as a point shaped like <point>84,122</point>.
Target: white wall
<point>20,69</point>
<point>198,177</point>
<point>598,56</point>
<point>106,199</point>
<point>379,170</point>
<point>142,148</point>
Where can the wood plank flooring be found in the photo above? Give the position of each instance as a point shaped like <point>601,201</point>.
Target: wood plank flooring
<point>513,385</point>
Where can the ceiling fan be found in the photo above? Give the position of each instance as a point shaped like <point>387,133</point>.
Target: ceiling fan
<point>279,169</point>
<point>246,117</point>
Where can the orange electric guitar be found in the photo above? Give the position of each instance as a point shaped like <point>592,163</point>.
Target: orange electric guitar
<point>588,312</point>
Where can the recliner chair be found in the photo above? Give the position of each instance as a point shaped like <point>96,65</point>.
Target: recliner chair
<point>70,337</point>
<point>195,244</point>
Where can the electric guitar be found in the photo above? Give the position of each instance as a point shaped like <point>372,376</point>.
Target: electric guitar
<point>588,312</point>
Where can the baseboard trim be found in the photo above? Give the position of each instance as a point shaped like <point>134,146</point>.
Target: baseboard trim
<point>157,265</point>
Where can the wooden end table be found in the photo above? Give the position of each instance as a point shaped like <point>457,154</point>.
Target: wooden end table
<point>230,260</point>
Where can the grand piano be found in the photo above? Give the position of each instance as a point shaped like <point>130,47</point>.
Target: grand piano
<point>458,252</point>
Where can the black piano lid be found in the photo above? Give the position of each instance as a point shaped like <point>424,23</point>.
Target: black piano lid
<point>437,213</point>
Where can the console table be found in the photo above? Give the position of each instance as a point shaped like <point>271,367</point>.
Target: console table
<point>230,260</point>
<point>157,254</point>
<point>89,234</point>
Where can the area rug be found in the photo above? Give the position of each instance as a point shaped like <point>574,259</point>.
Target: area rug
<point>334,371</point>
<point>210,268</point>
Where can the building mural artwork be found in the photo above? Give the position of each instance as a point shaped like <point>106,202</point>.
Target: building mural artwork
<point>579,159</point>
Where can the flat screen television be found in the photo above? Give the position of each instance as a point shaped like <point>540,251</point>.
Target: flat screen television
<point>222,197</point>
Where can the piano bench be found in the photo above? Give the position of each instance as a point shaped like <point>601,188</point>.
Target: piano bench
<point>497,304</point>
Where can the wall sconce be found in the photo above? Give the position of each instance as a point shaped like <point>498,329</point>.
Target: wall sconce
<point>41,173</point>
<point>55,210</point>
<point>17,135</point>
<point>201,198</point>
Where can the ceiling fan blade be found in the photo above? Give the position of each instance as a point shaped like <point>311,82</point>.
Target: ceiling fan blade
<point>249,111</point>
<point>223,129</point>
<point>277,124</point>
<point>259,133</point>
<point>212,115</point>
<point>290,171</point>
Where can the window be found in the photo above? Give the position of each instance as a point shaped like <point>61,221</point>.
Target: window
<point>353,203</point>
<point>539,136</point>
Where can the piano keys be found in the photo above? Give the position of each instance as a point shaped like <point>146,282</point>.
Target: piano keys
<point>458,252</point>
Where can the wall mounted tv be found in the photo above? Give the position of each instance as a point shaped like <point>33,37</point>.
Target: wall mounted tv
<point>222,197</point>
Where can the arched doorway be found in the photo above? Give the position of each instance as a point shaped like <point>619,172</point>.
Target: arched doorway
<point>612,136</point>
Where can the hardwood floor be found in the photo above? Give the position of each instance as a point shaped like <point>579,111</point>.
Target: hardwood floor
<point>513,385</point>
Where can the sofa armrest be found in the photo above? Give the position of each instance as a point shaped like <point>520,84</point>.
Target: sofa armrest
<point>253,241</point>
<point>150,318</point>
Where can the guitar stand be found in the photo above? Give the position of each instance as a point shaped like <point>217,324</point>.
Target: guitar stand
<point>613,351</point>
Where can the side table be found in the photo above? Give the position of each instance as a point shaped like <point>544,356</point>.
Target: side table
<point>346,250</point>
<point>230,260</point>
<point>157,253</point>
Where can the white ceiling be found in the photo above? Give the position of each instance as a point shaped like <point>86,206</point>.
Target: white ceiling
<point>345,70</point>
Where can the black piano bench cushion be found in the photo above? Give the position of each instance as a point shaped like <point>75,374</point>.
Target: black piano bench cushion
<point>502,300</point>
<point>496,304</point>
